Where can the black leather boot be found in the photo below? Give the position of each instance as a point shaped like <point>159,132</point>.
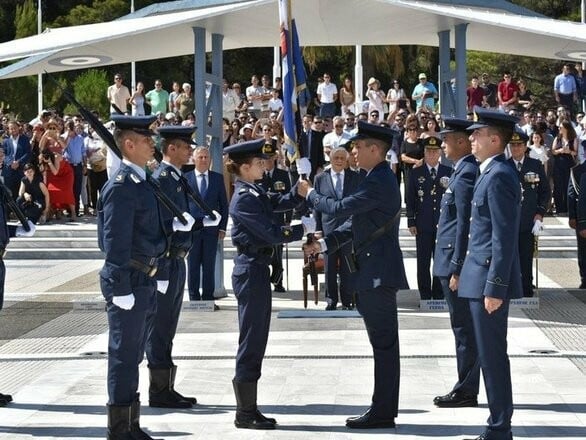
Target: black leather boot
<point>161,393</point>
<point>247,414</point>
<point>119,423</point>
<point>191,400</point>
<point>136,433</point>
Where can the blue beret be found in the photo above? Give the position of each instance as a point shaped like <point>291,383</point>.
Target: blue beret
<point>432,143</point>
<point>246,150</point>
<point>452,125</point>
<point>374,131</point>
<point>138,124</point>
<point>491,118</point>
<point>177,132</point>
<point>519,137</point>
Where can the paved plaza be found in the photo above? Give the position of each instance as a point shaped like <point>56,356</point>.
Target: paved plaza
<point>318,370</point>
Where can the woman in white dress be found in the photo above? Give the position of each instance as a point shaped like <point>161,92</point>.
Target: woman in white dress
<point>376,98</point>
<point>396,98</point>
<point>137,100</point>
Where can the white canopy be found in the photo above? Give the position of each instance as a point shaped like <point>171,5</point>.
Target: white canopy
<point>320,23</point>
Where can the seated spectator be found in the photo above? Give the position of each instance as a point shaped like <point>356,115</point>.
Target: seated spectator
<point>33,195</point>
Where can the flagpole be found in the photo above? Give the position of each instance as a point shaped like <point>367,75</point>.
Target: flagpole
<point>40,75</point>
<point>132,64</point>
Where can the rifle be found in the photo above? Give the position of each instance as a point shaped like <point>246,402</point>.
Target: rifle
<point>6,195</point>
<point>108,139</point>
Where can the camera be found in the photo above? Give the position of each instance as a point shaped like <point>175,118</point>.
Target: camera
<point>48,155</point>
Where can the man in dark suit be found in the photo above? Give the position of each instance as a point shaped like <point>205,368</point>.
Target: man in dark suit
<point>373,230</point>
<point>491,275</point>
<point>17,151</point>
<point>202,256</point>
<point>277,181</point>
<point>311,145</point>
<point>536,195</point>
<point>426,187</point>
<point>450,251</point>
<point>574,190</point>
<point>337,182</point>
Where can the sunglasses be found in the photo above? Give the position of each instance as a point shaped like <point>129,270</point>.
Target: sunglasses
<point>339,126</point>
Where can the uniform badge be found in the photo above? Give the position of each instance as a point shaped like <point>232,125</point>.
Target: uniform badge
<point>279,186</point>
<point>119,178</point>
<point>420,194</point>
<point>433,191</point>
<point>421,179</point>
<point>163,173</point>
<point>286,232</point>
<point>134,178</point>
<point>532,178</point>
<point>253,192</point>
<point>174,175</point>
<point>444,181</point>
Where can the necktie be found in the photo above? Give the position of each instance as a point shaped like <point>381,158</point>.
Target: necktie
<point>203,187</point>
<point>433,173</point>
<point>519,165</point>
<point>338,186</point>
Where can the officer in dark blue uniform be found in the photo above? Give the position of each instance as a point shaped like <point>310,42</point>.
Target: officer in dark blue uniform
<point>450,251</point>
<point>536,195</point>
<point>254,234</point>
<point>426,188</point>
<point>373,229</point>
<point>574,190</point>
<point>276,180</point>
<point>491,275</point>
<point>133,236</point>
<point>176,145</point>
<point>6,232</point>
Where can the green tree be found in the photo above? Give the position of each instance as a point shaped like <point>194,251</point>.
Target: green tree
<point>89,89</point>
<point>26,19</point>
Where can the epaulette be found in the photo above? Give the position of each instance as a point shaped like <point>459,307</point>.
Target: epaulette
<point>250,190</point>
<point>174,174</point>
<point>121,176</point>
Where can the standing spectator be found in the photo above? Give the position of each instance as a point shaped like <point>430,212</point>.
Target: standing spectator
<point>230,101</point>
<point>266,95</point>
<point>397,99</point>
<point>411,154</point>
<point>526,98</point>
<point>254,95</point>
<point>475,94</point>
<point>75,155</point>
<point>564,150</point>
<point>184,102</point>
<point>17,150</point>
<point>173,108</point>
<point>426,187</point>
<point>537,150</point>
<point>347,96</point>
<point>327,95</point>
<point>335,138</point>
<point>508,93</point>
<point>311,143</point>
<point>490,91</point>
<point>157,98</point>
<point>33,196</point>
<point>97,172</point>
<point>575,187</point>
<point>137,100</point>
<point>376,98</point>
<point>275,103</point>
<point>210,186</point>
<point>565,89</point>
<point>119,95</point>
<point>424,94</point>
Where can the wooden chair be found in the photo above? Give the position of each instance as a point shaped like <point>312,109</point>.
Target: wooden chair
<point>319,267</point>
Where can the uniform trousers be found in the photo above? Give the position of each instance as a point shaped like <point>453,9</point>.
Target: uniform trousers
<point>202,257</point>
<point>466,350</point>
<point>160,341</point>
<point>252,288</point>
<point>378,308</point>
<point>428,288</point>
<point>335,264</point>
<point>127,337</point>
<point>526,252</point>
<point>581,259</point>
<point>491,337</point>
<point>2,280</point>
<point>277,264</point>
<point>562,163</point>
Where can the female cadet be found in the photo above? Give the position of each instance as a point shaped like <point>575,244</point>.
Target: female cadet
<point>254,235</point>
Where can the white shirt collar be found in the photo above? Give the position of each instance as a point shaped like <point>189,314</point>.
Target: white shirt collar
<point>172,166</point>
<point>459,161</point>
<point>197,173</point>
<point>138,170</point>
<point>484,164</point>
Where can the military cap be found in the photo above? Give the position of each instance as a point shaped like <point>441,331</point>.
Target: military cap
<point>432,143</point>
<point>269,148</point>
<point>373,131</point>
<point>138,124</point>
<point>519,137</point>
<point>452,125</point>
<point>491,118</point>
<point>246,150</point>
<point>178,132</point>
<point>346,145</point>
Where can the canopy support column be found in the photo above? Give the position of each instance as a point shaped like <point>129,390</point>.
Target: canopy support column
<point>461,81</point>
<point>446,98</point>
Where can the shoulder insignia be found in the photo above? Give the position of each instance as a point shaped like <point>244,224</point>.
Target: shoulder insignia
<point>119,177</point>
<point>174,175</point>
<point>286,231</point>
<point>135,178</point>
<point>253,192</point>
<point>163,174</point>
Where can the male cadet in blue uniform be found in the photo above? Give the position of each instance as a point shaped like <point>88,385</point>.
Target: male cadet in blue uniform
<point>338,182</point>
<point>491,275</point>
<point>536,194</point>
<point>277,181</point>
<point>133,236</point>
<point>426,187</point>
<point>574,190</point>
<point>374,232</point>
<point>450,251</point>
<point>202,256</point>
<point>6,232</point>
<point>176,149</point>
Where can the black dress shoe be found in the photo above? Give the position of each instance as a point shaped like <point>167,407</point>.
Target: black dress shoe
<point>216,307</point>
<point>331,307</point>
<point>369,421</point>
<point>6,397</point>
<point>455,399</point>
<point>279,288</point>
<point>347,307</point>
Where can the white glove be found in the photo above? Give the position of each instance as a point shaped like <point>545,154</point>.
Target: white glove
<point>125,302</point>
<point>20,232</point>
<point>207,222</point>
<point>537,227</point>
<point>303,166</point>
<point>162,286</point>
<point>308,224</point>
<point>178,226</point>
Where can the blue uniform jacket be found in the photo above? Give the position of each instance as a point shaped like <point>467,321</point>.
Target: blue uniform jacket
<point>252,209</point>
<point>424,198</point>
<point>491,267</point>
<point>129,227</point>
<point>374,203</point>
<point>574,189</point>
<point>215,198</point>
<point>323,185</point>
<point>454,221</point>
<point>536,195</point>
